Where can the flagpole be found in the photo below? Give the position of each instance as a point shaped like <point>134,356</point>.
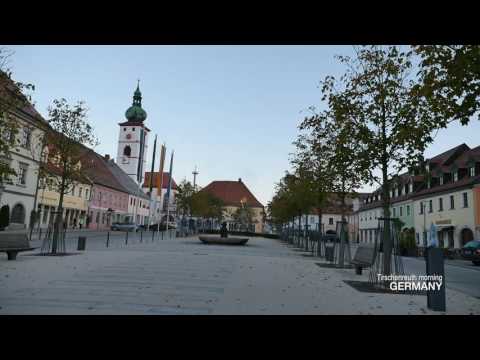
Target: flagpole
<point>169,189</point>
<point>151,183</point>
<point>160,181</point>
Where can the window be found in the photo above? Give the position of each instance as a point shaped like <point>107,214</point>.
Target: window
<point>127,151</point>
<point>124,129</point>
<point>465,200</point>
<point>421,208</point>
<point>80,192</point>
<point>103,218</point>
<point>394,212</point>
<point>401,210</point>
<point>97,219</point>
<point>452,202</point>
<point>73,190</point>
<point>472,171</point>
<point>441,180</point>
<point>408,210</point>
<point>455,176</point>
<point>440,204</point>
<point>22,174</point>
<point>330,221</point>
<point>86,194</point>
<point>133,129</point>
<point>26,137</point>
<point>430,206</point>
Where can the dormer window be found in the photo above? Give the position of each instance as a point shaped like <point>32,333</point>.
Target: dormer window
<point>441,180</point>
<point>455,176</point>
<point>472,171</point>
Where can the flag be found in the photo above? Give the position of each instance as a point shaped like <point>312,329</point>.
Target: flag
<point>153,166</point>
<point>162,164</point>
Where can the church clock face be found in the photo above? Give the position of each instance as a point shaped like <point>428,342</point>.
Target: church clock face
<point>129,136</point>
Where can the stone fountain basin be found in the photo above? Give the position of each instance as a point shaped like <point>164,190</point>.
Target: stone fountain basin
<point>223,241</point>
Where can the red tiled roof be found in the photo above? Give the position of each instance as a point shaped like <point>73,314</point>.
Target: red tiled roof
<point>445,158</point>
<point>166,179</point>
<point>232,193</point>
<point>96,168</point>
<point>462,161</point>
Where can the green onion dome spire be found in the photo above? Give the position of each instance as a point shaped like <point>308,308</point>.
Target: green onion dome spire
<point>135,113</point>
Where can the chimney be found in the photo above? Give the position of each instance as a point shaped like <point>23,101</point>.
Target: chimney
<point>240,180</point>
<point>107,157</point>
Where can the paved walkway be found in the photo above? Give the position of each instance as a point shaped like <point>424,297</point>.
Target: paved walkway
<point>183,276</point>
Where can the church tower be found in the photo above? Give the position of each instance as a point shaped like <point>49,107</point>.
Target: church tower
<point>133,140</point>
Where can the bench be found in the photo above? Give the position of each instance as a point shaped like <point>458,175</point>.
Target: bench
<point>13,243</point>
<point>364,257</point>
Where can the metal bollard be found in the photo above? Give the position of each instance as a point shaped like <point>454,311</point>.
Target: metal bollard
<point>126,238</point>
<point>153,235</point>
<point>162,234</point>
<point>81,243</point>
<point>141,236</point>
<point>436,266</point>
<point>108,238</point>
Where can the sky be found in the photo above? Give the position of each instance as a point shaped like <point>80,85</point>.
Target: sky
<point>232,111</point>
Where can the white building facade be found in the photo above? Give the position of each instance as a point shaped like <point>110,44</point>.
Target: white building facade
<point>18,192</point>
<point>133,140</point>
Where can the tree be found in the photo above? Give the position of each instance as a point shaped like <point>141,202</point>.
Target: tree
<point>450,81</point>
<point>391,120</point>
<point>12,98</point>
<point>244,216</point>
<point>311,160</point>
<point>207,206</point>
<point>184,197</point>
<point>4,216</point>
<point>69,133</point>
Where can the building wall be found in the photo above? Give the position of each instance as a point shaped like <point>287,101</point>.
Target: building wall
<point>257,217</point>
<point>102,199</point>
<point>476,192</point>
<point>23,157</point>
<point>75,205</point>
<point>130,164</point>
<point>460,217</point>
<point>403,211</point>
<point>368,224</point>
<point>329,221</point>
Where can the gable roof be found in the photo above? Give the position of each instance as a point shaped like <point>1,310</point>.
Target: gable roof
<point>166,179</point>
<point>446,158</point>
<point>105,172</point>
<point>232,193</point>
<point>125,181</point>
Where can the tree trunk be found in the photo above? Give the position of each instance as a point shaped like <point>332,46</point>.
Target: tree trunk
<point>57,228</point>
<point>387,238</point>
<point>306,233</point>
<point>320,214</point>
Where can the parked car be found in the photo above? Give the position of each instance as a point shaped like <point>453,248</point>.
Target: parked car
<point>163,226</point>
<point>471,251</point>
<point>124,227</point>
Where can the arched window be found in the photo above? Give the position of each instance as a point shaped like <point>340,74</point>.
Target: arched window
<point>18,214</point>
<point>127,151</point>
